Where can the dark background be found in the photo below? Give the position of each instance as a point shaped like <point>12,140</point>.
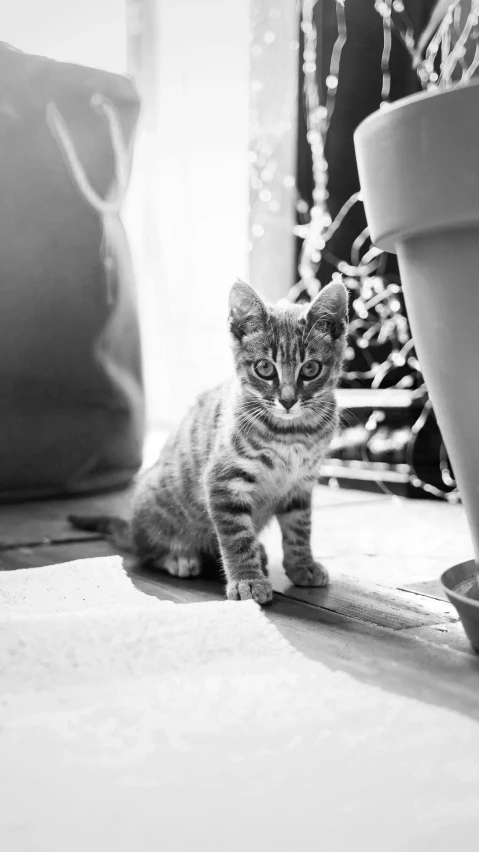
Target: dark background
<point>394,441</point>
<point>357,96</point>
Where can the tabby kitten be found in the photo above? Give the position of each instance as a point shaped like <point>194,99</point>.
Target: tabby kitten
<point>246,451</point>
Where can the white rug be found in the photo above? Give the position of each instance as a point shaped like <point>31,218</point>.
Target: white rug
<point>129,724</point>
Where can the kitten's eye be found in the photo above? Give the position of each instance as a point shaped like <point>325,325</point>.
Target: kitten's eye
<point>265,369</point>
<point>311,369</point>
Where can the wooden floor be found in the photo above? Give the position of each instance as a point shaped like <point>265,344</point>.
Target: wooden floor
<point>384,618</point>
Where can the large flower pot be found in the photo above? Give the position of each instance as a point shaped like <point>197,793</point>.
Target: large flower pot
<point>419,169</point>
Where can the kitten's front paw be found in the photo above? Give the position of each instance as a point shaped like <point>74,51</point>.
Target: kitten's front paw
<point>254,589</point>
<point>308,573</point>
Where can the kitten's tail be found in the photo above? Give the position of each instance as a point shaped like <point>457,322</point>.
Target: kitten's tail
<point>116,530</point>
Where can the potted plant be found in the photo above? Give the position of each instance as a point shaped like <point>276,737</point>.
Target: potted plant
<point>419,172</point>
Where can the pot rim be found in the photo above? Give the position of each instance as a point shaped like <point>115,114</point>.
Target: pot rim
<point>452,593</point>
<point>410,100</point>
<point>418,167</point>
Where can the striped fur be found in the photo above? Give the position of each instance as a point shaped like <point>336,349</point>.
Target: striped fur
<point>248,450</point>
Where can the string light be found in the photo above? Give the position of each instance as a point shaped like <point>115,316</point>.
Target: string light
<point>379,318</point>
<point>316,115</point>
<point>387,24</point>
<point>318,119</point>
<point>443,32</point>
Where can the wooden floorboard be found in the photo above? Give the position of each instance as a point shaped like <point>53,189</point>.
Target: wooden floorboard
<point>396,531</point>
<point>404,639</point>
<point>391,608</point>
<point>42,522</point>
<point>430,588</point>
<point>448,636</point>
<point>52,554</point>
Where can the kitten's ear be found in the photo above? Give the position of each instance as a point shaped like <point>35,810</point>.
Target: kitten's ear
<point>247,311</point>
<point>329,309</point>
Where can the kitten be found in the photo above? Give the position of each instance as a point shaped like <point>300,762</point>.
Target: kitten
<point>246,451</point>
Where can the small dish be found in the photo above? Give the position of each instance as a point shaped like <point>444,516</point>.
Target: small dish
<point>461,586</point>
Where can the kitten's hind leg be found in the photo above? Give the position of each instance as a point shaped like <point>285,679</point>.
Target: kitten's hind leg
<point>180,564</point>
<point>264,559</point>
<point>164,552</point>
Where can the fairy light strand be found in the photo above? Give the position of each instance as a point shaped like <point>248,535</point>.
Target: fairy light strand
<point>316,116</point>
<point>386,54</point>
<point>332,80</point>
<point>318,119</point>
<point>443,32</point>
<point>457,53</point>
<point>379,318</point>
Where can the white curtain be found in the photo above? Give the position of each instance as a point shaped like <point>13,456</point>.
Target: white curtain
<point>187,212</point>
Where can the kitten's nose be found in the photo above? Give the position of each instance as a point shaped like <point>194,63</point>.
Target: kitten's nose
<point>287,402</point>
